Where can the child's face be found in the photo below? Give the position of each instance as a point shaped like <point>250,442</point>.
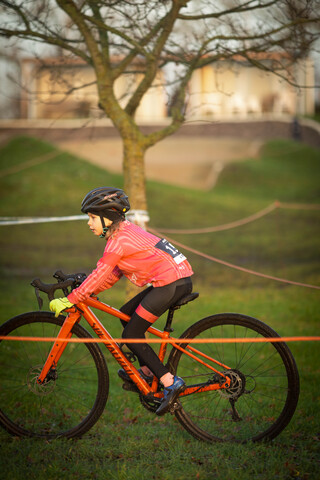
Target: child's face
<point>95,225</point>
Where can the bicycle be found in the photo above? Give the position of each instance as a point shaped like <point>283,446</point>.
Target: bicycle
<point>234,391</point>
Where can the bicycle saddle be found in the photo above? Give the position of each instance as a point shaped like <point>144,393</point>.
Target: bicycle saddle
<point>184,300</point>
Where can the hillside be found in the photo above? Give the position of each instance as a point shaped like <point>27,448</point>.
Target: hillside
<point>39,180</point>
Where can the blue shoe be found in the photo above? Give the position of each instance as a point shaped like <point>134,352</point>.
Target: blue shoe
<point>170,394</point>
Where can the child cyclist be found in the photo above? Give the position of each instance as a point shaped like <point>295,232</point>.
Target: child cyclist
<point>144,259</point>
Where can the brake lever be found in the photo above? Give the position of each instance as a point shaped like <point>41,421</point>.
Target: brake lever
<point>77,277</point>
<point>60,276</point>
<point>49,289</point>
<point>39,299</point>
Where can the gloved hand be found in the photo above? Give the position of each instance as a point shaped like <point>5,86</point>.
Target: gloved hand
<point>59,304</point>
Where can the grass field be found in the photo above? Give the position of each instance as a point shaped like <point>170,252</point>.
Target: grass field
<point>128,442</point>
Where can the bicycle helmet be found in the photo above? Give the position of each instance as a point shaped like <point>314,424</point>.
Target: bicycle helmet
<point>102,199</point>
<point>108,202</point>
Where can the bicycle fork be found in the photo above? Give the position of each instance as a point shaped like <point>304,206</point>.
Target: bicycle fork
<point>59,345</point>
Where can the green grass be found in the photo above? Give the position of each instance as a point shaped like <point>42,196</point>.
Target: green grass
<point>315,117</point>
<point>128,442</point>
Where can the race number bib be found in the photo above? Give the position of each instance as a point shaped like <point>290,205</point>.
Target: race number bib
<point>167,247</point>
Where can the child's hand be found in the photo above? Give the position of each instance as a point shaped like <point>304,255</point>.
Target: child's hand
<point>59,304</point>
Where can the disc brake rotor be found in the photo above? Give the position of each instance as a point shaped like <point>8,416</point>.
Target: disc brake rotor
<point>237,385</point>
<point>39,389</point>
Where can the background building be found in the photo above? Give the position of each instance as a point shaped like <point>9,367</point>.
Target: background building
<point>234,88</point>
<point>53,88</point>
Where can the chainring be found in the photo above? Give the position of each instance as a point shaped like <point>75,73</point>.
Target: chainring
<point>150,404</point>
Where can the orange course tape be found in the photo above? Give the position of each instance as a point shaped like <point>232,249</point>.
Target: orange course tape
<point>163,340</point>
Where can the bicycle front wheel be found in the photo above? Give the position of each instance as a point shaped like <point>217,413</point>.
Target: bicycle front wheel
<point>264,389</point>
<point>74,395</point>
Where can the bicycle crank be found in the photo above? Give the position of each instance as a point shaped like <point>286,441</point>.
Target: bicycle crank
<point>150,403</point>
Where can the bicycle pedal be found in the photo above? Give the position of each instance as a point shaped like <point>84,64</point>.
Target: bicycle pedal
<point>130,387</point>
<point>176,406</point>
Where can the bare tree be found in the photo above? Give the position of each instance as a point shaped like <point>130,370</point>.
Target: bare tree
<point>118,37</point>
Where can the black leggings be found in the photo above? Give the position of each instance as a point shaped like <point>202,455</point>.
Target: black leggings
<point>155,300</point>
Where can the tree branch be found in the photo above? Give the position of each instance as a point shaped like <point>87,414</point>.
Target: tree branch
<point>103,35</point>
<point>69,7</point>
<point>238,9</point>
<point>152,65</point>
<point>43,38</point>
<point>177,110</point>
<point>138,46</point>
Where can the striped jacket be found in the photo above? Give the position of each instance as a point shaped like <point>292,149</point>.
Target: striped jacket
<point>140,256</point>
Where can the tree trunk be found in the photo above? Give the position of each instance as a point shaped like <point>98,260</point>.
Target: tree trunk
<point>134,176</point>
<point>135,188</point>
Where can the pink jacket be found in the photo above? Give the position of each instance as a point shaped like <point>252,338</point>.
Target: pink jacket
<point>142,257</point>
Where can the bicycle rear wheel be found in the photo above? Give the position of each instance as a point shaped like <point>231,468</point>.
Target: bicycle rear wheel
<point>264,387</point>
<point>70,402</point>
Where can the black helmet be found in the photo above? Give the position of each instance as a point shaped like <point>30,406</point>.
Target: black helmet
<point>105,200</point>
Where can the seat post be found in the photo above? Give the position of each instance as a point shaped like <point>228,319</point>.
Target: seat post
<point>168,327</point>
<point>183,301</point>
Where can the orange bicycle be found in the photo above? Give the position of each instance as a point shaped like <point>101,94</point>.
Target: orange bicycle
<point>234,391</point>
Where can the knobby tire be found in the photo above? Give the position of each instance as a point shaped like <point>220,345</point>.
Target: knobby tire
<point>71,402</point>
<point>265,377</point>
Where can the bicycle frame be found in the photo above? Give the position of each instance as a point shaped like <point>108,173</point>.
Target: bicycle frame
<point>83,310</point>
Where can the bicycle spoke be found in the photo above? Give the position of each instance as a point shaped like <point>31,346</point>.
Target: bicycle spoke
<point>69,401</point>
<point>261,386</point>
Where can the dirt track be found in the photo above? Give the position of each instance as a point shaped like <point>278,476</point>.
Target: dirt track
<point>193,157</point>
<point>193,162</point>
